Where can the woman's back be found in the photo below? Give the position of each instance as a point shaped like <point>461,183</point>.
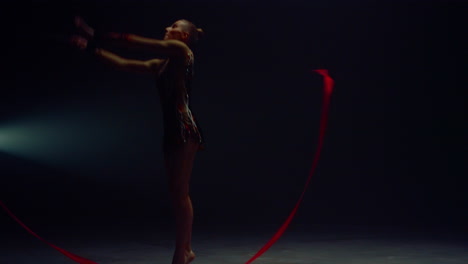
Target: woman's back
<point>174,84</point>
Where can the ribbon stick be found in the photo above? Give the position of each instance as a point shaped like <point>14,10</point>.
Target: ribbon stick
<point>70,255</point>
<point>328,88</point>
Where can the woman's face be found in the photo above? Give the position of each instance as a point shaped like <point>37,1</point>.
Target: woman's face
<point>177,31</point>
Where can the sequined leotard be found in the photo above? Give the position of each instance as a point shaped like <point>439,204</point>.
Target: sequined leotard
<point>179,122</point>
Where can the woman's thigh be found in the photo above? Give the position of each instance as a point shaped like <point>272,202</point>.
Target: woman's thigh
<point>178,161</point>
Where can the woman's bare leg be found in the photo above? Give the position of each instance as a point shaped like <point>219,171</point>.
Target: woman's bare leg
<point>179,164</point>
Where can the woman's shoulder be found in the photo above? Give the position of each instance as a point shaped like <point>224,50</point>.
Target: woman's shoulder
<point>186,60</point>
<point>182,64</point>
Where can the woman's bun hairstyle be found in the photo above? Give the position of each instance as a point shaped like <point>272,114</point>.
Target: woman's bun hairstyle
<point>200,33</point>
<point>195,33</point>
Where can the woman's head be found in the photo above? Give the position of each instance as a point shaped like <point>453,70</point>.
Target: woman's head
<point>185,31</point>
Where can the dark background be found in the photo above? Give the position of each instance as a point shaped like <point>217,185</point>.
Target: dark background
<point>393,153</point>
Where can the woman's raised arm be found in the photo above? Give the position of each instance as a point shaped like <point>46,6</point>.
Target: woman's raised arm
<point>166,48</point>
<point>137,66</point>
<point>129,65</point>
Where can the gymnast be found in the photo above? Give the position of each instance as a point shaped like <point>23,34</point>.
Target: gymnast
<point>172,67</point>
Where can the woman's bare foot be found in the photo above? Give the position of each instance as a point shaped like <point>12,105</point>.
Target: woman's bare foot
<point>191,257</point>
<point>183,258</point>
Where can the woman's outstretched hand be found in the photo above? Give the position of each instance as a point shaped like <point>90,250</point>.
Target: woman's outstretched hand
<point>83,28</point>
<point>79,42</point>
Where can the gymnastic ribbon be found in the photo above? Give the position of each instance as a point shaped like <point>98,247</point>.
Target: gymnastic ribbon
<point>70,255</point>
<point>327,88</point>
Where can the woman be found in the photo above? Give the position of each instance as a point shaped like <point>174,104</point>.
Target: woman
<point>182,138</point>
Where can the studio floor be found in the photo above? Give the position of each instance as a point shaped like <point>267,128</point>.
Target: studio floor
<point>216,245</point>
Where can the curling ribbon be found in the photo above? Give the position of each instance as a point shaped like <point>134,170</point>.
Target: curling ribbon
<point>328,88</point>
<point>70,255</point>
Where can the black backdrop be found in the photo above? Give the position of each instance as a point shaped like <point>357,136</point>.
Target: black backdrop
<point>394,145</point>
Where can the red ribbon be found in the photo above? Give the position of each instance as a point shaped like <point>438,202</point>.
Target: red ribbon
<point>328,88</point>
<point>70,255</point>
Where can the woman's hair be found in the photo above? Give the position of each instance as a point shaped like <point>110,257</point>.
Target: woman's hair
<point>194,33</point>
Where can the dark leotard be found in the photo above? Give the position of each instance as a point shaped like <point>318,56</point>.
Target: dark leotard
<point>179,122</point>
